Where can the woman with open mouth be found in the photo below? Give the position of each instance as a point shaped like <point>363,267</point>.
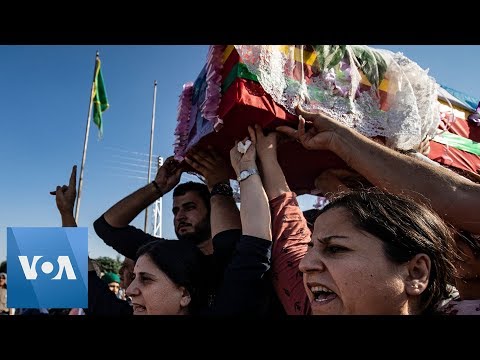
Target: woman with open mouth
<point>374,253</point>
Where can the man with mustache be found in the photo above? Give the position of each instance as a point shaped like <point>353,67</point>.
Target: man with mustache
<point>206,215</point>
<point>191,209</point>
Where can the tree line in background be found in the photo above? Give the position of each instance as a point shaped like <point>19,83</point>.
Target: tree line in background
<point>107,264</point>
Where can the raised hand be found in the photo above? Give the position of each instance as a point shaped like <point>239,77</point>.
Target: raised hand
<point>319,136</point>
<point>65,198</point>
<point>168,175</point>
<point>266,145</point>
<point>244,161</point>
<point>65,195</point>
<point>210,165</point>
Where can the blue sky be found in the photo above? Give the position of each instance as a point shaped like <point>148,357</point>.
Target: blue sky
<point>44,95</point>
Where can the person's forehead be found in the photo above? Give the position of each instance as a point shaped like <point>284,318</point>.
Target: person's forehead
<point>190,196</point>
<point>330,221</point>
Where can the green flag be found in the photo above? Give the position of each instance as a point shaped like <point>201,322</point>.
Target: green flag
<point>100,101</point>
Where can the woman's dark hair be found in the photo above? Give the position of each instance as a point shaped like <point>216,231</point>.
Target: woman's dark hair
<point>183,263</point>
<point>471,240</point>
<point>310,217</point>
<point>406,228</point>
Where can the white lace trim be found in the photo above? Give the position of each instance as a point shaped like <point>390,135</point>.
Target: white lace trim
<point>411,93</point>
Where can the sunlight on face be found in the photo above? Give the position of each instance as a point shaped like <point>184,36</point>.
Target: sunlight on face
<point>152,291</point>
<point>346,271</point>
<point>190,213</point>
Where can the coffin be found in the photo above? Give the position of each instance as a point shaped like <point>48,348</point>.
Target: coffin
<point>238,87</point>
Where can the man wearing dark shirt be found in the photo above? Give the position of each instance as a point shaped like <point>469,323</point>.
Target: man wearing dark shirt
<point>204,214</point>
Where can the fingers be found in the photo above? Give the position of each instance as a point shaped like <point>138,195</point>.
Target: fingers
<point>234,154</point>
<point>59,191</point>
<point>207,163</point>
<point>171,165</point>
<point>234,148</point>
<point>424,147</point>
<point>249,153</point>
<point>170,162</point>
<point>214,153</point>
<point>296,134</point>
<point>71,184</point>
<point>301,127</point>
<point>253,137</point>
<point>307,115</point>
<point>73,178</point>
<point>275,135</point>
<point>259,132</point>
<point>178,172</point>
<point>287,130</point>
<point>282,138</point>
<point>195,165</point>
<point>204,158</point>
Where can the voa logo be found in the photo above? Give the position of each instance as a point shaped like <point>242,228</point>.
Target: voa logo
<point>30,267</point>
<point>47,267</point>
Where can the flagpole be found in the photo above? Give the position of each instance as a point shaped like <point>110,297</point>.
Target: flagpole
<point>151,148</point>
<point>80,181</point>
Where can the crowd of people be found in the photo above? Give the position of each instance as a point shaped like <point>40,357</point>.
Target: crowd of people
<point>405,242</point>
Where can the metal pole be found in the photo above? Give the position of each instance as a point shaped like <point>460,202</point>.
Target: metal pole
<point>160,202</point>
<point>151,148</point>
<point>157,210</point>
<point>85,143</point>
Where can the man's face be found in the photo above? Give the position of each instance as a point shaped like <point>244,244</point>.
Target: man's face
<point>191,219</point>
<point>2,281</point>
<point>114,287</point>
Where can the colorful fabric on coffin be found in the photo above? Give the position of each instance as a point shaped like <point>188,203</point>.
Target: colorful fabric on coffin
<point>195,123</point>
<point>198,105</point>
<point>192,126</point>
<point>344,81</point>
<point>374,91</point>
<point>245,102</point>
<point>445,152</point>
<point>192,115</point>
